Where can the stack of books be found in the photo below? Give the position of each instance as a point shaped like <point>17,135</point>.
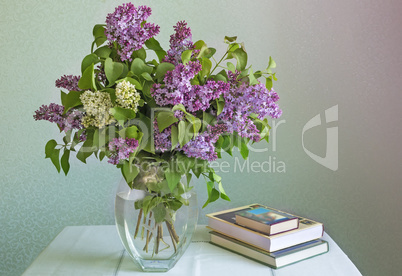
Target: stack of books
<point>267,235</point>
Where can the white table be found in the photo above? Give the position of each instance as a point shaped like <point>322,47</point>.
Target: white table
<point>97,251</point>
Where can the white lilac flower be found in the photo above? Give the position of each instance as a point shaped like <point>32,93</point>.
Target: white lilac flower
<point>127,96</point>
<point>97,108</point>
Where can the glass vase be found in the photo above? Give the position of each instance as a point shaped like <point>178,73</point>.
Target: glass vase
<point>155,225</point>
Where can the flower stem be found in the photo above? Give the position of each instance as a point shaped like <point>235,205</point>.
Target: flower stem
<point>138,223</point>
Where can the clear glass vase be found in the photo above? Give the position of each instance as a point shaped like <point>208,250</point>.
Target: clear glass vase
<point>157,238</point>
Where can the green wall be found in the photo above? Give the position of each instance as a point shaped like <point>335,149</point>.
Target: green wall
<point>345,53</point>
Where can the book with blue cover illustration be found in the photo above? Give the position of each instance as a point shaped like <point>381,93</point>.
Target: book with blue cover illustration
<point>266,220</point>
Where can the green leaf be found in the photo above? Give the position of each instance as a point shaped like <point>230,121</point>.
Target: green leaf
<point>227,144</point>
<point>186,56</point>
<point>195,122</point>
<point>87,81</point>
<point>257,74</point>
<point>113,70</point>
<point>244,150</point>
<point>83,154</point>
<point>88,60</point>
<point>67,137</point>
<point>208,53</point>
<point>71,100</point>
<point>185,163</point>
<point>199,167</point>
<point>98,30</point>
<point>165,119</point>
<point>102,155</point>
<point>241,56</point>
<point>122,114</point>
<point>216,177</point>
<point>201,46</point>
<point>268,83</point>
<point>229,39</point>
<point>141,53</point>
<point>173,177</point>
<point>271,63</point>
<point>154,45</point>
<point>212,196</point>
<point>220,105</point>
<point>188,177</point>
<point>147,76</point>
<point>231,67</point>
<point>138,67</point>
<point>49,148</point>
<point>159,213</point>
<point>179,107</point>
<point>253,80</point>
<point>55,158</point>
<point>65,165</point>
<point>206,67</point>
<point>133,82</point>
<point>99,34</point>
<point>207,119</point>
<point>223,194</point>
<point>129,172</point>
<point>162,69</point>
<point>131,132</point>
<point>99,41</point>
<point>103,52</point>
<point>174,136</point>
<point>184,134</point>
<point>146,128</point>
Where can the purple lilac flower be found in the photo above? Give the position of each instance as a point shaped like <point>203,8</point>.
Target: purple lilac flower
<point>162,140</point>
<point>126,27</point>
<point>217,130</point>
<point>202,146</point>
<point>52,113</point>
<point>179,90</point>
<point>243,100</point>
<point>69,82</point>
<point>100,74</point>
<point>121,148</point>
<point>73,119</point>
<point>180,41</point>
<point>83,136</point>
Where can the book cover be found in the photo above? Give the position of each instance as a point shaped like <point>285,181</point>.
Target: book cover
<point>225,223</point>
<point>266,220</point>
<point>276,259</point>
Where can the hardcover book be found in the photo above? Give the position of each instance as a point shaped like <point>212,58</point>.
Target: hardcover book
<point>266,220</point>
<point>276,259</point>
<point>225,222</point>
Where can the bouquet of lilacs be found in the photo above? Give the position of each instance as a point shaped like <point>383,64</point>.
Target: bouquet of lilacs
<point>175,112</point>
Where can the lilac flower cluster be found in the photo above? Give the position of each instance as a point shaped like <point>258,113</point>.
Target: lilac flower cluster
<point>73,120</point>
<point>52,113</point>
<point>69,82</point>
<point>126,27</point>
<point>180,41</point>
<point>243,100</point>
<point>202,146</point>
<point>179,90</point>
<point>121,148</point>
<point>162,139</point>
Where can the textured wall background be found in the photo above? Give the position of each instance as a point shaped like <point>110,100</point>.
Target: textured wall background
<point>345,53</point>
